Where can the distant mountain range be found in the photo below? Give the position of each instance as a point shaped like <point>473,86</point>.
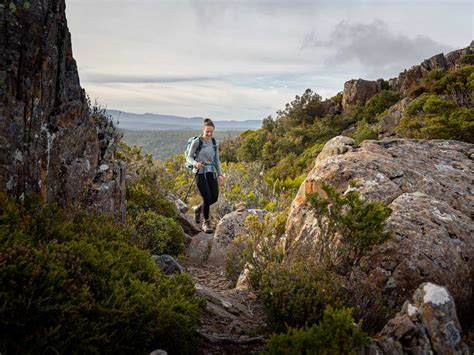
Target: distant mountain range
<point>157,122</point>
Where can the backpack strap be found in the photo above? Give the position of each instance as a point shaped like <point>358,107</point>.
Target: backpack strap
<point>198,149</point>
<point>214,143</point>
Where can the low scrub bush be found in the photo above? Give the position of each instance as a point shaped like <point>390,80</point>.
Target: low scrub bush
<point>433,117</point>
<point>141,197</point>
<point>336,333</point>
<point>234,262</point>
<point>378,104</point>
<point>263,244</point>
<point>348,227</point>
<point>296,294</point>
<point>297,280</point>
<point>157,234</point>
<point>364,131</point>
<point>73,283</point>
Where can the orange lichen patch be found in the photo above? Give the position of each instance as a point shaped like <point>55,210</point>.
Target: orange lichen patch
<point>312,186</point>
<point>299,200</point>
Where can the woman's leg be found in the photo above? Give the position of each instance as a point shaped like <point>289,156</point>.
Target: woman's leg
<point>213,187</point>
<point>204,190</point>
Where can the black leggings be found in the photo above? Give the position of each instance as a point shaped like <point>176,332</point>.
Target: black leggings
<point>209,189</point>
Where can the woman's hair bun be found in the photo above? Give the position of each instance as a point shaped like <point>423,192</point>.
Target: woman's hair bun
<point>208,122</point>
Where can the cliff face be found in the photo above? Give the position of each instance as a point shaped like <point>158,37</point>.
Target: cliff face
<point>49,141</point>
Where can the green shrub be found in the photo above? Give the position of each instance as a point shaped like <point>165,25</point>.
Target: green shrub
<point>378,104</point>
<point>433,117</point>
<point>156,233</point>
<point>292,293</point>
<point>467,59</point>
<point>337,99</point>
<point>234,262</point>
<point>335,334</point>
<point>12,8</point>
<point>250,148</point>
<point>73,283</point>
<point>263,244</point>
<point>364,131</point>
<point>357,224</point>
<point>303,110</point>
<point>295,294</point>
<point>455,84</point>
<point>142,197</point>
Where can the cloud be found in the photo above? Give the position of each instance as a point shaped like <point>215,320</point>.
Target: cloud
<point>219,100</point>
<point>98,78</point>
<point>247,58</point>
<point>373,46</point>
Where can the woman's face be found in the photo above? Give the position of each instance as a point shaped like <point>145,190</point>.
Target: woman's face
<point>207,132</point>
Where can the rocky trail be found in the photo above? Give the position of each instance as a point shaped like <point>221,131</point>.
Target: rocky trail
<point>233,320</point>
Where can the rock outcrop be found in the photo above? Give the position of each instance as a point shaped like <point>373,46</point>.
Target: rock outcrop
<point>408,78</point>
<point>360,91</point>
<point>426,325</point>
<point>228,228</point>
<point>390,121</point>
<point>428,186</point>
<point>50,142</point>
<point>357,92</point>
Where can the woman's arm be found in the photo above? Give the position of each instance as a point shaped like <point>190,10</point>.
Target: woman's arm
<point>218,161</point>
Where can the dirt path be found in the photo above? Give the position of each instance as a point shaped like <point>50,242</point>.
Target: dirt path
<point>233,319</point>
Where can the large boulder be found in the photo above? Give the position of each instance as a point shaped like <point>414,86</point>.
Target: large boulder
<point>50,142</point>
<point>428,186</point>
<point>426,325</point>
<point>227,229</point>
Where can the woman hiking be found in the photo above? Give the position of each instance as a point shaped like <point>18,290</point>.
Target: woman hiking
<point>204,156</point>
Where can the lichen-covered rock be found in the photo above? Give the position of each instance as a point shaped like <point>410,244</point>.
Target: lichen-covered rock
<point>335,146</point>
<point>426,325</point>
<point>168,264</point>
<point>199,249</point>
<point>227,229</point>
<point>428,186</point>
<point>49,140</point>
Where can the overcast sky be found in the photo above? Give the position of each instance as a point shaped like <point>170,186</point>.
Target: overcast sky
<point>246,59</point>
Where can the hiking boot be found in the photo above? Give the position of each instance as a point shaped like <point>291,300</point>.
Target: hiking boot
<point>197,213</point>
<point>206,226</point>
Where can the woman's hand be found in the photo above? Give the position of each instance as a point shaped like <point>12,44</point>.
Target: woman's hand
<point>199,165</point>
<point>220,179</point>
